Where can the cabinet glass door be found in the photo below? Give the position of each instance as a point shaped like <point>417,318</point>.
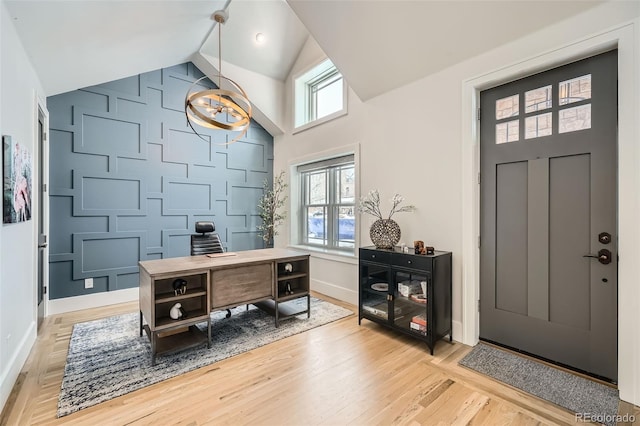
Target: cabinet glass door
<point>410,295</point>
<point>374,290</point>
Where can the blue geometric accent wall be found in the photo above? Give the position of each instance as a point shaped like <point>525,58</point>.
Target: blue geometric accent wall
<point>128,180</point>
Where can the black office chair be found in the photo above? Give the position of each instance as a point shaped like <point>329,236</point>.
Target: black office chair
<point>206,242</point>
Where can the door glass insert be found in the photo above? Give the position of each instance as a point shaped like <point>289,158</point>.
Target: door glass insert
<point>507,132</point>
<point>374,290</point>
<point>507,107</point>
<point>537,99</point>
<point>537,126</point>
<point>574,119</point>
<point>575,90</point>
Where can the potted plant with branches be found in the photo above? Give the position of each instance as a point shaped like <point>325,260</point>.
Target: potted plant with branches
<point>269,207</point>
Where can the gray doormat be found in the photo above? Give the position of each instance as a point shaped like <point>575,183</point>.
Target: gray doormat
<point>582,396</point>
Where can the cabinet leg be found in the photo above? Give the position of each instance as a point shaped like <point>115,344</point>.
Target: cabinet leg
<point>277,314</point>
<point>141,326</point>
<point>308,306</point>
<point>209,333</point>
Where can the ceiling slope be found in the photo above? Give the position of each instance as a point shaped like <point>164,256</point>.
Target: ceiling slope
<point>381,45</point>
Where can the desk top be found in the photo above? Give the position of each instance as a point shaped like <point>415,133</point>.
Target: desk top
<point>203,262</point>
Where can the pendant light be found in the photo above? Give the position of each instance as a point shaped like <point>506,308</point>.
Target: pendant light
<point>219,109</point>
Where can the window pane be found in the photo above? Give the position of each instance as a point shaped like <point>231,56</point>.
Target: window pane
<point>507,107</point>
<point>575,90</point>
<point>318,188</point>
<point>346,182</point>
<point>573,119</point>
<point>346,227</point>
<point>317,226</point>
<point>507,132</point>
<point>537,126</point>
<point>537,99</point>
<point>329,99</point>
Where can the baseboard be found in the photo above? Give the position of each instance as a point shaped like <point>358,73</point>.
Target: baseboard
<point>457,331</point>
<point>335,291</point>
<point>95,300</point>
<point>9,375</point>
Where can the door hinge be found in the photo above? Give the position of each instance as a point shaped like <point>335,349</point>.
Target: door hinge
<point>479,241</point>
<point>478,178</point>
<point>45,290</point>
<point>478,114</point>
<point>45,136</point>
<point>44,187</point>
<point>478,305</point>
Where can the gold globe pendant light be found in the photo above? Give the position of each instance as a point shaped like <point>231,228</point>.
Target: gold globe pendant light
<point>219,108</point>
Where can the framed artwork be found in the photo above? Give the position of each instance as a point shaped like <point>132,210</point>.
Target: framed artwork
<point>16,182</point>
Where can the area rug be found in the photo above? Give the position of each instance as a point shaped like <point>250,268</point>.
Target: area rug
<point>108,358</point>
<point>584,397</point>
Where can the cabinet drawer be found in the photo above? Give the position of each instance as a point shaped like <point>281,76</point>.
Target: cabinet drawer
<point>412,261</point>
<point>375,256</point>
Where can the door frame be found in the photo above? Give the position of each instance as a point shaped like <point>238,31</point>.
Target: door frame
<point>40,104</point>
<point>621,37</point>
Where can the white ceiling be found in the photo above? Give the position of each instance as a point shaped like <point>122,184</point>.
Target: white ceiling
<point>382,45</point>
<point>378,45</point>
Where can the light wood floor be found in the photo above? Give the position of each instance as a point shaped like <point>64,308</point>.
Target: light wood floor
<point>337,374</point>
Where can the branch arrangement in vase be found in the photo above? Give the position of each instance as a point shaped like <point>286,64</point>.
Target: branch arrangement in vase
<point>370,204</point>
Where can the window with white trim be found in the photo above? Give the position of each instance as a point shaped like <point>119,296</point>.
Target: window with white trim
<point>327,204</point>
<point>320,95</point>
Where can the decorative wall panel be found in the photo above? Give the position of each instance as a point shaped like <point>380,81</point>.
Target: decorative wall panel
<point>129,179</point>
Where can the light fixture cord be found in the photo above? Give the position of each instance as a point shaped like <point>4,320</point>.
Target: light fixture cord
<point>219,53</point>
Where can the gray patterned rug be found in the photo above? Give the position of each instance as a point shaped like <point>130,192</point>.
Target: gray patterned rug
<point>582,396</point>
<point>108,358</point>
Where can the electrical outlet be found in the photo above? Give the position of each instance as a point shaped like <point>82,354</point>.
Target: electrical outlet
<point>88,283</point>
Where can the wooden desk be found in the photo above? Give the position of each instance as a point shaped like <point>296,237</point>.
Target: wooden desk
<point>215,283</point>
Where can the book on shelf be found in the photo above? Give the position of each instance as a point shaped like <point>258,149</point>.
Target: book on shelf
<point>418,298</point>
<point>419,319</point>
<point>418,327</point>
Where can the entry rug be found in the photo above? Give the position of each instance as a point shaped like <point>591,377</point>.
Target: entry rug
<point>584,397</point>
<point>108,358</point>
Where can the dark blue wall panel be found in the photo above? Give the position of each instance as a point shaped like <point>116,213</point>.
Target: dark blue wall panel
<point>129,179</point>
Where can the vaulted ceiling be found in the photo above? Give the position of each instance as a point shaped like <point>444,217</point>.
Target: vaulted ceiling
<point>378,45</point>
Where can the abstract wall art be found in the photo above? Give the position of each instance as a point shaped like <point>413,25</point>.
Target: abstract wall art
<point>16,182</point>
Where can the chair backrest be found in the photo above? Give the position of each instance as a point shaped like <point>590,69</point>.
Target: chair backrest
<point>205,244</point>
<point>207,241</point>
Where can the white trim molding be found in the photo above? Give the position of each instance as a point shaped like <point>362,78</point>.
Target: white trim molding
<point>627,41</point>
<point>94,300</point>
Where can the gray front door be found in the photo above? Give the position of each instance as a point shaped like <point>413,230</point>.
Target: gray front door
<point>548,199</point>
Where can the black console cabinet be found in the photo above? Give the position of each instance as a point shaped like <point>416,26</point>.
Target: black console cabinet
<point>391,292</point>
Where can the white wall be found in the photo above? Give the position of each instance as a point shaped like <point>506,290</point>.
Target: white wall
<point>18,89</point>
<point>411,141</point>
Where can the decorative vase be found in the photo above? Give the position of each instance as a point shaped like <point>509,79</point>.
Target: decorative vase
<point>385,233</point>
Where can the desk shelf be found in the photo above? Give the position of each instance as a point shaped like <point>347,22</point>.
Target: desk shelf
<point>158,297</point>
<point>292,282</point>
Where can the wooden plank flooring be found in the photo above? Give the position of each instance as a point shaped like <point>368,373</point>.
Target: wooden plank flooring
<point>337,374</point>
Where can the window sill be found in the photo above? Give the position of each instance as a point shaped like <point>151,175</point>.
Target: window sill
<point>334,255</point>
<point>314,123</point>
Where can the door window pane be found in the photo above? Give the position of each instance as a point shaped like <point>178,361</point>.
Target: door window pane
<point>573,119</point>
<point>507,107</point>
<point>575,90</point>
<point>537,99</point>
<point>537,126</point>
<point>507,132</point>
